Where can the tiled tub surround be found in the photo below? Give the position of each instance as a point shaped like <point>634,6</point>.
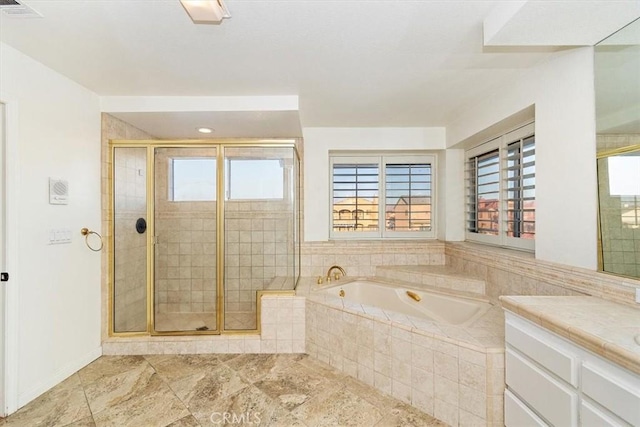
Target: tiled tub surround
<point>437,276</point>
<point>361,257</point>
<point>282,331</point>
<point>510,272</point>
<point>453,373</point>
<point>602,327</point>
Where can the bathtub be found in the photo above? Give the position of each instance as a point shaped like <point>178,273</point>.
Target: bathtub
<point>432,305</point>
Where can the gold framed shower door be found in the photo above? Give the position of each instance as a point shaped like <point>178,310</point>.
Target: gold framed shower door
<point>220,145</point>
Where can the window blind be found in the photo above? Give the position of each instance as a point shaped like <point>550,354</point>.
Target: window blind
<point>355,196</point>
<point>520,188</point>
<point>483,190</point>
<point>408,197</point>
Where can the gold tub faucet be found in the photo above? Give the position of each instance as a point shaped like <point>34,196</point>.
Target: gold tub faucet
<point>337,275</point>
<point>413,296</point>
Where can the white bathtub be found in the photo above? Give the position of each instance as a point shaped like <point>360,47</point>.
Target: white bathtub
<point>432,305</point>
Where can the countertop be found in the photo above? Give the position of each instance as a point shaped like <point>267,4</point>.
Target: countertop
<point>606,328</point>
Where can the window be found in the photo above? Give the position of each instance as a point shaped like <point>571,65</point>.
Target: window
<point>501,190</point>
<point>624,182</point>
<point>255,179</point>
<point>484,212</point>
<point>381,196</point>
<point>521,188</point>
<point>192,179</point>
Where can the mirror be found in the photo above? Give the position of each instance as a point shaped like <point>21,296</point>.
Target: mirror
<point>617,85</point>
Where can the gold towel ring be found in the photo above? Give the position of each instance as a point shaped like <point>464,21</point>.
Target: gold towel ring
<point>86,233</point>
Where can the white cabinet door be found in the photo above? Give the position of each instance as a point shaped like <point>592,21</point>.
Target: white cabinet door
<point>616,393</point>
<point>553,400</point>
<point>550,355</point>
<point>517,414</point>
<point>590,416</point>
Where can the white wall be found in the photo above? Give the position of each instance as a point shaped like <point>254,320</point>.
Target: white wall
<point>562,90</point>
<point>319,141</point>
<point>451,213</point>
<point>58,135</point>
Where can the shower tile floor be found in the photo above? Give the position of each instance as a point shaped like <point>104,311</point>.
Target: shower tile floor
<point>184,321</point>
<point>235,320</point>
<point>207,390</point>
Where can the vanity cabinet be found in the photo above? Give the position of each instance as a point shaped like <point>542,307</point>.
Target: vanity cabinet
<point>552,381</point>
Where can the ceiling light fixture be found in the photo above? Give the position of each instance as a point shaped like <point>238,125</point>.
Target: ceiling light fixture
<point>205,130</point>
<point>206,11</point>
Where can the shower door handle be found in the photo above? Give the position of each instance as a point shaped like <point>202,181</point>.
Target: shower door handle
<point>141,225</point>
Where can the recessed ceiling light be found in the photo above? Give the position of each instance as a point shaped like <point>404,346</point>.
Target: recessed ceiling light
<point>205,130</point>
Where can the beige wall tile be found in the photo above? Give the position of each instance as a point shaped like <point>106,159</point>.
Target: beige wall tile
<point>445,365</point>
<point>446,412</point>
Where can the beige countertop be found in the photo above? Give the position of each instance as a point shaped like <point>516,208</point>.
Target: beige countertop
<point>606,328</point>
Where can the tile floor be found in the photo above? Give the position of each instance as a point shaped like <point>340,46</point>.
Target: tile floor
<point>285,390</point>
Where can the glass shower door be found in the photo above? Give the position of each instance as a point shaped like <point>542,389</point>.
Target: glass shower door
<point>185,291</point>
<point>129,309</point>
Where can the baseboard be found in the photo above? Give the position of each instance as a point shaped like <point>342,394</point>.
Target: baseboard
<point>59,376</point>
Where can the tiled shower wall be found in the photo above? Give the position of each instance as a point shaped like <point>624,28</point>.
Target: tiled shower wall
<point>259,247</point>
<point>620,241</point>
<point>112,128</point>
<point>613,141</point>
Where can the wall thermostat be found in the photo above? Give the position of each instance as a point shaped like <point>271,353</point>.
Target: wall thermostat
<point>58,191</point>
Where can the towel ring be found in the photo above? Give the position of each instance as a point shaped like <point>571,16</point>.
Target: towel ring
<point>86,233</point>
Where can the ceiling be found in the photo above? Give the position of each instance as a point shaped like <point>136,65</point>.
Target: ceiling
<point>351,63</point>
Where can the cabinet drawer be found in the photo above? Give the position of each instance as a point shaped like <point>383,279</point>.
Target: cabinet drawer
<point>590,416</point>
<point>517,414</point>
<point>618,394</point>
<point>552,358</point>
<point>554,401</point>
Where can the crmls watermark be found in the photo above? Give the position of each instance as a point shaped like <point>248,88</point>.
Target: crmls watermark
<point>245,418</point>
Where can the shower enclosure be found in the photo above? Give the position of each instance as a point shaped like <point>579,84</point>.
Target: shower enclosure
<point>619,213</point>
<point>201,229</point>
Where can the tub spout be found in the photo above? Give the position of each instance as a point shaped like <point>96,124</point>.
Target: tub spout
<point>337,275</point>
<point>413,296</point>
